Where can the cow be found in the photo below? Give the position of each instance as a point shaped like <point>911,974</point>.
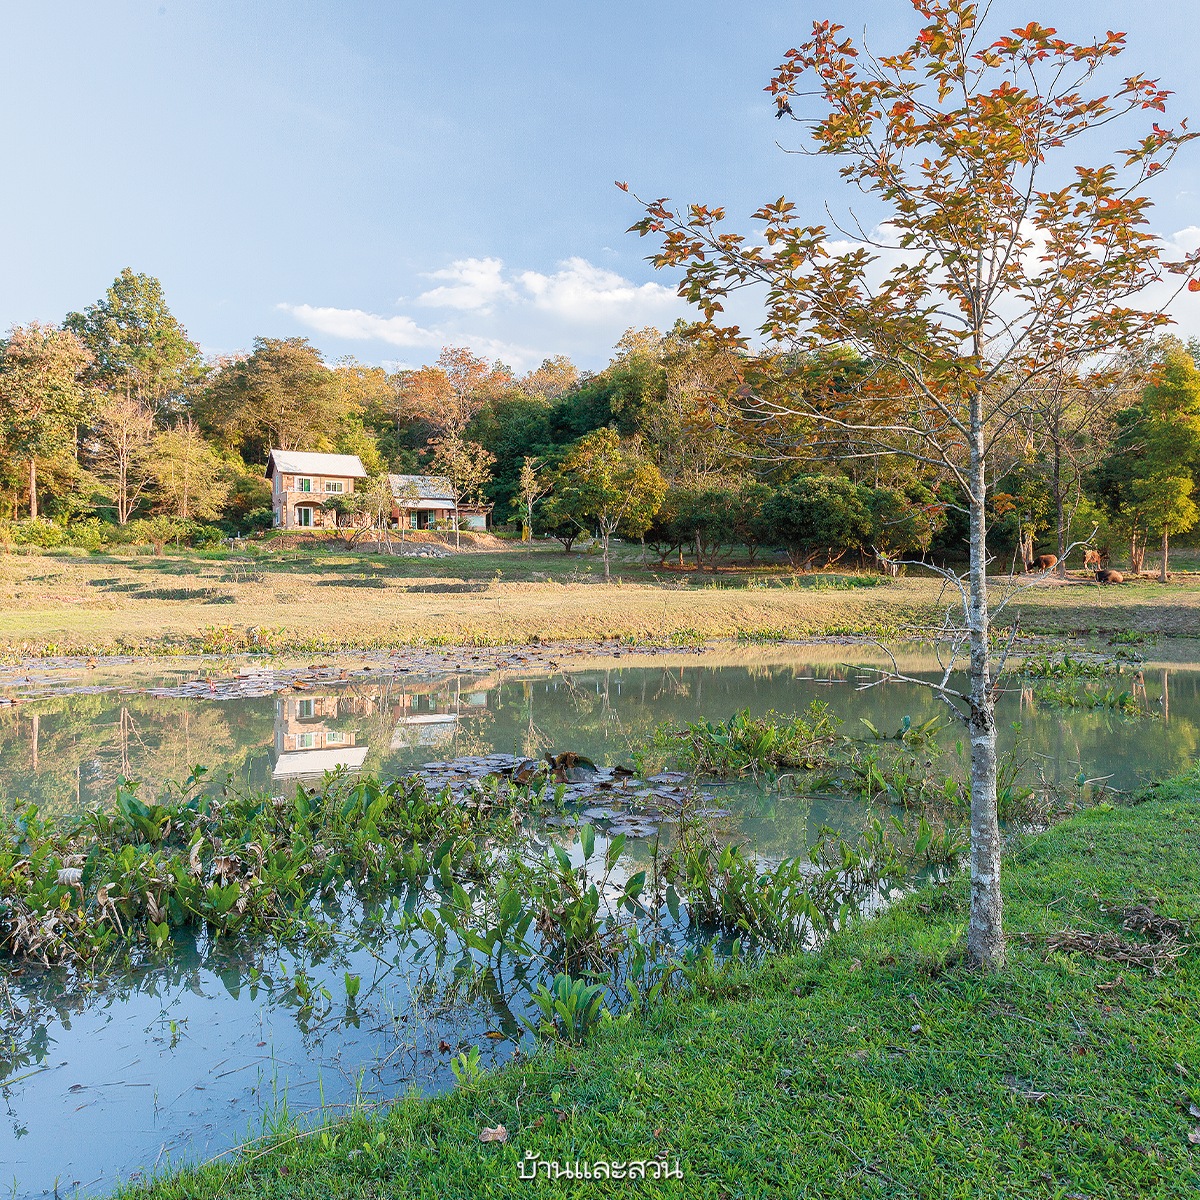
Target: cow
<point>1103,575</point>
<point>1044,562</point>
<point>1091,558</point>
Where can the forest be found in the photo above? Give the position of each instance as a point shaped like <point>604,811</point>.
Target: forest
<point>116,429</point>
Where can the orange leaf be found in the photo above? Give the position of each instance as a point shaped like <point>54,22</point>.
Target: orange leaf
<point>1194,285</point>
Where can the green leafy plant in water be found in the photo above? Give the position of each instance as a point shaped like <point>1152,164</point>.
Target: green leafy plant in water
<point>753,745</point>
<point>467,1067</point>
<point>570,1009</point>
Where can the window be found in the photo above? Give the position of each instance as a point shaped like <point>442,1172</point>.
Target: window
<point>304,517</point>
<point>305,708</point>
<point>335,739</point>
<point>334,485</point>
<point>304,484</point>
<point>306,741</point>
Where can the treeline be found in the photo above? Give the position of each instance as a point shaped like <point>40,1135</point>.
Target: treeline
<point>114,427</point>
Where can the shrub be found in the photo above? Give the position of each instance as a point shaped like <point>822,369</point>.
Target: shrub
<point>37,533</point>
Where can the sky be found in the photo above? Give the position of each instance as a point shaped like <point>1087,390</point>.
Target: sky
<point>387,177</point>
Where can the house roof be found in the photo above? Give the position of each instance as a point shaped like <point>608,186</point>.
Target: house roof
<point>297,462</point>
<point>428,487</point>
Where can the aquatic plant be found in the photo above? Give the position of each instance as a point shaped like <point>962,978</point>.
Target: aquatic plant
<point>228,864</point>
<point>748,745</point>
<point>571,1009</point>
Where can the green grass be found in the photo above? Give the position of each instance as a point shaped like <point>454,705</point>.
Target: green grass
<point>880,1067</point>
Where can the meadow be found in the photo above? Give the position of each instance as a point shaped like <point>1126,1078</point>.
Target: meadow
<point>322,597</point>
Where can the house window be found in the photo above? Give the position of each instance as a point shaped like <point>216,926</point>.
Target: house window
<point>335,739</point>
<point>306,741</point>
<point>414,520</point>
<point>304,484</point>
<point>334,485</point>
<point>305,708</point>
<point>304,517</point>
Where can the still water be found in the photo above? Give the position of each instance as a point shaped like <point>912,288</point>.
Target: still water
<point>179,1062</point>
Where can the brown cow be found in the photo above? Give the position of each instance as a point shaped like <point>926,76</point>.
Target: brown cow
<point>1044,562</point>
<point>1091,558</point>
<point>1106,576</point>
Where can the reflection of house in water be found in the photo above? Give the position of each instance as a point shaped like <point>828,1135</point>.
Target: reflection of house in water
<point>428,714</point>
<point>306,742</point>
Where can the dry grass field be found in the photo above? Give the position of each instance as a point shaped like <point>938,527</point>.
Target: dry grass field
<point>307,598</point>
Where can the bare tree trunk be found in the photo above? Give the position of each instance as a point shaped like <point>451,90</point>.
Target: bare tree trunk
<point>604,545</point>
<point>985,934</point>
<point>122,489</point>
<point>1162,571</point>
<point>33,509</point>
<point>1059,507</point>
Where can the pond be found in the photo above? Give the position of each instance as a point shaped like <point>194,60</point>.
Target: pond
<point>104,1078</point>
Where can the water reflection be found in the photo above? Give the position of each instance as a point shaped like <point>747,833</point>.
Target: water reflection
<point>65,753</point>
<point>183,1055</point>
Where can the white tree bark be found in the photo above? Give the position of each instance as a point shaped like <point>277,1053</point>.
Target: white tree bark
<point>985,936</point>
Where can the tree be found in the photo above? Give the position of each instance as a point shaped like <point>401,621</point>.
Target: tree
<point>122,433</point>
<point>554,378</point>
<point>610,484</point>
<point>1012,261</point>
<point>706,517</point>
<point>447,395</point>
<point>532,488</point>
<point>818,516</point>
<point>1148,478</point>
<point>43,398</point>
<point>1165,498</point>
<point>281,397</point>
<point>139,350</point>
<point>467,466</point>
<point>1072,416</point>
<point>187,474</point>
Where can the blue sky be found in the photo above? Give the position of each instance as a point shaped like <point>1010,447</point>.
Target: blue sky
<point>386,177</point>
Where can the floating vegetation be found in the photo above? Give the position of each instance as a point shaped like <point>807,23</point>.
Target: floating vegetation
<point>746,745</point>
<point>1065,666</point>
<point>1077,695</point>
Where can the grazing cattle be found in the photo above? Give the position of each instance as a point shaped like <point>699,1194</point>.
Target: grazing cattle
<point>1044,562</point>
<point>1091,558</point>
<point>1106,576</point>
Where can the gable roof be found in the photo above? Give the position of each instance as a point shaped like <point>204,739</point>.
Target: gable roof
<point>297,462</point>
<point>428,487</point>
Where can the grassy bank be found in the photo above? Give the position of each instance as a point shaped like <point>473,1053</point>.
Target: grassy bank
<point>307,601</point>
<point>879,1067</point>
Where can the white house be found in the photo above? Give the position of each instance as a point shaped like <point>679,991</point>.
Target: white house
<point>301,482</point>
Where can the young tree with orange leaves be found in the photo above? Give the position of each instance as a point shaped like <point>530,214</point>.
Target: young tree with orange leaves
<point>1014,258</point>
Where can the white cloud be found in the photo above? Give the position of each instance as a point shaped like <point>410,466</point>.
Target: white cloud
<point>474,285</point>
<point>578,289</point>
<point>520,317</point>
<point>354,325</point>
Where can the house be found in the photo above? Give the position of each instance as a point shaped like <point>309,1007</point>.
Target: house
<point>427,501</point>
<point>302,482</point>
<point>307,744</point>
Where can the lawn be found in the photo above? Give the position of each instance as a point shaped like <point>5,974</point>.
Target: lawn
<point>325,599</point>
<point>879,1067</point>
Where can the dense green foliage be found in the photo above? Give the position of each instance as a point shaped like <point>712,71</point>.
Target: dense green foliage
<point>116,418</point>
